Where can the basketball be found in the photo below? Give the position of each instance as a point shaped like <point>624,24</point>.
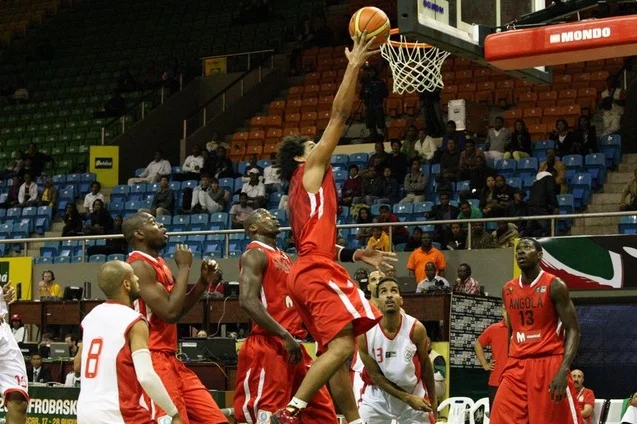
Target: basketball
<point>374,21</point>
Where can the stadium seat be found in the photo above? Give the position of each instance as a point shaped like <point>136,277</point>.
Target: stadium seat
<point>404,210</point>
<point>181,223</point>
<point>574,164</point>
<point>581,185</point>
<point>543,145</point>
<point>220,218</point>
<point>359,159</point>
<point>340,175</point>
<point>281,216</point>
<point>527,167</point>
<point>506,167</point>
<point>596,166</point>
<point>97,258</point>
<point>628,224</point>
<point>611,146</point>
<point>515,182</point>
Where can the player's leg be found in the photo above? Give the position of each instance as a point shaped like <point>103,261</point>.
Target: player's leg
<point>511,404</point>
<point>164,366</point>
<point>202,408</point>
<point>321,408</point>
<point>374,407</point>
<point>16,404</point>
<point>13,378</point>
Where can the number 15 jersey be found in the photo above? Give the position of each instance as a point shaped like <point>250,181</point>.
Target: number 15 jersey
<point>535,324</point>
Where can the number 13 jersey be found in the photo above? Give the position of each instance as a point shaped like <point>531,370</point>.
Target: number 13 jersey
<point>535,324</point>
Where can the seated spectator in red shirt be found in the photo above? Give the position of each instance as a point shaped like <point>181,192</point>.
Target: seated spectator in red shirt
<point>585,398</point>
<point>216,288</point>
<point>351,191</point>
<point>465,284</point>
<point>399,234</point>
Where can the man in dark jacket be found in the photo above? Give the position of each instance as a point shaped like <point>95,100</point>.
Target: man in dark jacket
<point>373,93</point>
<point>443,211</point>
<point>543,201</point>
<point>372,189</point>
<point>38,160</point>
<point>449,163</point>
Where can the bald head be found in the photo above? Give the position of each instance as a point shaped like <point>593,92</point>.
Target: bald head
<point>253,218</point>
<point>134,223</point>
<point>578,379</point>
<point>111,275</point>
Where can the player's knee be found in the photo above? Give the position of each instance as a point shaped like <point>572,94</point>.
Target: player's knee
<point>16,403</point>
<point>343,347</point>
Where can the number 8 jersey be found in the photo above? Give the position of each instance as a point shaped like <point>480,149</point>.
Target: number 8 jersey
<point>535,324</point>
<point>109,391</point>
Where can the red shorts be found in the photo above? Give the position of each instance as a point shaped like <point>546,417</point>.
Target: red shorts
<point>523,395</point>
<point>266,382</point>
<point>327,299</point>
<point>190,396</point>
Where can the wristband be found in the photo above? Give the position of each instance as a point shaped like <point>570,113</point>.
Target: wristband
<point>347,255</point>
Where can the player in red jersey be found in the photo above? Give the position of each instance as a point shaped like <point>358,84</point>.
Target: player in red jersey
<point>536,386</point>
<point>328,301</point>
<point>164,300</point>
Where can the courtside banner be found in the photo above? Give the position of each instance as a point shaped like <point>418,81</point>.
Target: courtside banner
<point>19,271</point>
<point>215,65</point>
<point>104,162</point>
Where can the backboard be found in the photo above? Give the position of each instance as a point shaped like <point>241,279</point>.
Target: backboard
<point>456,26</point>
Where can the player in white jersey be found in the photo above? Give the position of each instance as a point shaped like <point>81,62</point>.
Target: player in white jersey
<point>13,374</point>
<point>394,353</point>
<point>114,361</point>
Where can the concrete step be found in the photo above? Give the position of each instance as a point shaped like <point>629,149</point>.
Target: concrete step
<point>627,166</point>
<point>619,177</point>
<point>614,188</point>
<point>34,253</point>
<point>57,227</point>
<point>605,199</point>
<point>593,208</point>
<point>594,221</point>
<point>594,229</point>
<point>629,158</point>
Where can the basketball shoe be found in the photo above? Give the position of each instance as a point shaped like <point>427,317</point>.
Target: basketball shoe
<point>283,416</point>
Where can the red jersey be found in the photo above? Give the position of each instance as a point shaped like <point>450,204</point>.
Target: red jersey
<point>274,292</point>
<point>535,324</point>
<point>313,216</point>
<point>586,397</point>
<point>497,336</point>
<point>163,335</point>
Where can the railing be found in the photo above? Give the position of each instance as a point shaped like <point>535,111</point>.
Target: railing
<point>552,218</point>
<point>248,56</point>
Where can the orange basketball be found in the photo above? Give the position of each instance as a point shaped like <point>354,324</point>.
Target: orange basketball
<point>374,21</point>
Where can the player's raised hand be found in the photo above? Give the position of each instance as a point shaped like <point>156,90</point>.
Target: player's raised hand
<point>418,403</point>
<point>209,271</point>
<point>183,256</point>
<point>293,348</point>
<point>559,386</point>
<point>361,51</point>
<point>373,257</point>
<point>8,292</point>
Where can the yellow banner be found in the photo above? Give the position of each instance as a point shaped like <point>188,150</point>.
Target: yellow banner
<point>214,65</point>
<point>516,268</point>
<point>18,272</point>
<point>104,162</point>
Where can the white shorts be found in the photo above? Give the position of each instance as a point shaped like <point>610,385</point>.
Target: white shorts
<point>13,372</point>
<point>378,407</point>
<point>357,386</point>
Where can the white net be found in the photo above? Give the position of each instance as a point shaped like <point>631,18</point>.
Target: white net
<point>415,68</point>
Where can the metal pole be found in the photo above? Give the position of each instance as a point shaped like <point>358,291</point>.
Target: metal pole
<point>102,136</point>
<point>469,236</point>
<point>181,82</point>
<point>83,250</point>
<point>272,61</point>
<point>26,248</point>
<point>260,69</point>
<point>227,240</point>
<point>143,109</point>
<point>223,102</point>
<point>248,60</point>
<point>552,227</point>
<point>185,130</point>
<point>123,124</point>
<point>204,115</point>
<point>203,67</point>
<point>241,85</point>
<point>162,95</point>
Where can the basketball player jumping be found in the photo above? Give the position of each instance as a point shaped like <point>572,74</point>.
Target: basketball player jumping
<point>115,362</point>
<point>536,386</point>
<point>397,364</point>
<point>163,300</point>
<point>331,306</point>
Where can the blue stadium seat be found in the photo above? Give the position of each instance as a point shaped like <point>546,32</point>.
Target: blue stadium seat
<point>527,167</point>
<point>21,230</point>
<point>340,160</point>
<point>463,186</point>
<point>506,167</point>
<point>274,200</point>
<point>596,166</point>
<point>435,169</point>
<point>611,147</point>
<point>581,185</point>
<point>62,260</point>
<point>132,206</point>
<point>281,215</point>
<point>425,169</point>
<point>175,186</point>
<point>195,243</point>
<point>29,212</point>
<point>97,258</point>
<point>199,222</point>
<point>242,167</point>
<point>422,208</point>
<point>181,222</point>
<point>189,184</point>
<point>628,224</point>
<point>375,209</point>
<point>45,212</point>
<point>574,165</point>
<point>340,175</point>
<point>264,163</point>
<point>404,210</point>
<point>43,260</point>
<point>3,198</point>
<point>152,188</point>
<point>139,171</point>
<point>528,182</point>
<point>238,184</point>
<point>176,170</point>
<point>543,145</point>
<point>14,212</point>
<point>567,206</point>
<point>515,182</point>
<point>59,179</point>
<point>475,203</point>
<point>74,178</point>
<point>227,183</point>
<point>41,225</point>
<point>220,218</point>
<point>50,249</point>
<point>116,257</point>
<point>67,195</point>
<point>138,188</point>
<point>116,207</point>
<point>359,159</point>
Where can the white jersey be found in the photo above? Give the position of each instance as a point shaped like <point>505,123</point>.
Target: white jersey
<point>109,390</point>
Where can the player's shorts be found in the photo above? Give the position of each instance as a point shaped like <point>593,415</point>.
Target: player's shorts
<point>523,395</point>
<point>327,299</point>
<point>378,407</point>
<point>13,373</point>
<point>266,382</point>
<point>190,396</point>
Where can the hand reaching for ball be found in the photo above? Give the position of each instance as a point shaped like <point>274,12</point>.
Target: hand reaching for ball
<point>361,50</point>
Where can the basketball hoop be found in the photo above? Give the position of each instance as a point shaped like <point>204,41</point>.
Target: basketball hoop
<point>415,67</point>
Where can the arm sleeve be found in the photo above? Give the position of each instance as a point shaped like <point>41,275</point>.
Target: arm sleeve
<point>150,382</point>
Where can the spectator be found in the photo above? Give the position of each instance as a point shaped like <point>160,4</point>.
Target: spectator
<point>468,212</point>
<point>255,189</point>
<point>38,373</point>
<point>170,77</point>
<point>240,212</point>
<point>202,334</point>
<point>114,107</point>
<point>543,201</point>
<point>47,287</point>
<point>92,196</point>
<point>380,158</point>
<point>72,379</point>
<point>478,179</point>
<point>449,165</point>
<point>584,396</point>
<point>352,188</point>
<point>458,238</point>
<point>612,105</point>
<point>72,221</point>
<point>209,196</point>
<point>426,146</point>
<point>112,246</point>
<point>380,237</point>
<point>409,142</point>
<point>502,196</point>
<point>28,194</point>
<point>154,171</point>
<point>21,93</point>
<point>364,217</point>
<point>38,160</point>
<point>630,192</point>
<point>481,239</point>
<point>584,137</point>
<point>12,194</point>
<point>71,341</point>
<point>164,200</point>
<point>452,134</point>
<point>253,163</point>
<point>191,169</point>
<point>223,165</point>
<point>15,167</point>
<point>465,284</point>
<point>390,193</point>
<point>372,187</point>
<point>414,241</point>
<point>440,371</point>
<point>373,93</point>
<point>488,198</point>
<point>214,143</point>
<point>49,195</point>
<point>18,329</point>
<point>498,138</point>
<point>361,277</point>
<point>216,288</point>
<point>518,207</point>
<point>432,282</point>
<point>557,168</point>
<point>399,233</point>
<point>443,211</point>
<point>520,144</point>
<point>126,83</point>
<point>100,221</point>
<point>564,139</point>
<point>469,161</point>
<point>420,257</point>
<point>272,178</point>
<point>497,336</point>
<point>630,415</point>
<point>505,234</point>
<point>398,161</point>
<point>415,184</point>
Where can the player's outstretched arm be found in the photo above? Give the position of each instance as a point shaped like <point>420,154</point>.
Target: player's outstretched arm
<point>146,375</point>
<point>253,264</point>
<point>568,316</point>
<point>166,306</point>
<point>426,367</point>
<point>320,157</point>
<point>479,349</point>
<point>370,255</point>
